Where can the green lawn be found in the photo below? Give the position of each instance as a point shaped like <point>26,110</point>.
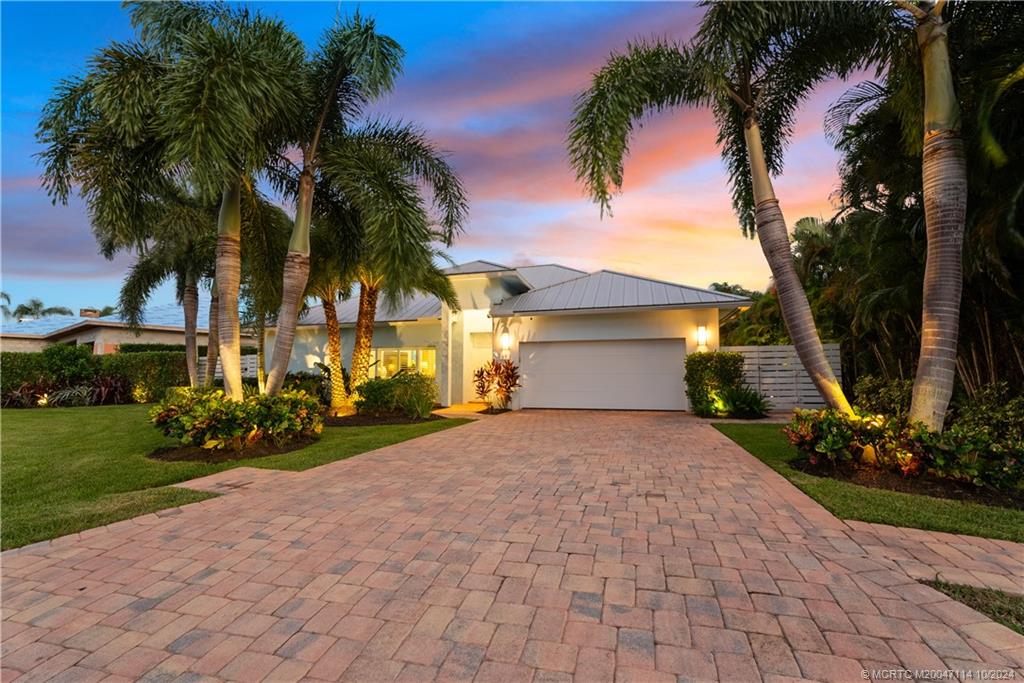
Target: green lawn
<point>850,501</point>
<point>68,469</point>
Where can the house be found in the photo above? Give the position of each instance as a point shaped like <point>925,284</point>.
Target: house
<point>164,324</point>
<point>581,340</point>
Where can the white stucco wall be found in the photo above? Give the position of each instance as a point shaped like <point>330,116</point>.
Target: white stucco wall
<point>668,324</point>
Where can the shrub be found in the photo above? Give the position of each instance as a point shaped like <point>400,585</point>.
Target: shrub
<point>208,419</point>
<point>409,393</point>
<point>80,395</point>
<point>68,365</point>
<point>316,384</point>
<point>975,450</point>
<point>149,374</point>
<point>883,397</point>
<point>18,368</point>
<point>710,373</point>
<point>500,377</point>
<point>744,402</point>
<point>27,395</point>
<point>110,390</point>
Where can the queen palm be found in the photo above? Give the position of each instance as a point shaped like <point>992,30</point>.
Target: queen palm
<point>751,64</point>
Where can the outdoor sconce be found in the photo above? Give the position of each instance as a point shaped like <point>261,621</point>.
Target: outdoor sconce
<point>506,346</point>
<point>702,338</point>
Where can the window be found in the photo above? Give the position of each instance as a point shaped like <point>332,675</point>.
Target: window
<point>388,362</point>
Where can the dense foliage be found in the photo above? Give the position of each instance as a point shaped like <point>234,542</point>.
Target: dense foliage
<point>72,375</point>
<point>208,419</point>
<point>316,384</point>
<point>715,386</point>
<point>983,444</point>
<point>408,393</point>
<point>863,270</point>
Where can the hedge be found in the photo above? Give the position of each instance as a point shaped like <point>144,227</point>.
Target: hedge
<point>149,348</point>
<point>61,366</point>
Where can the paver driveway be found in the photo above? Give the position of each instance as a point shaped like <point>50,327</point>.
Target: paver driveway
<point>533,545</point>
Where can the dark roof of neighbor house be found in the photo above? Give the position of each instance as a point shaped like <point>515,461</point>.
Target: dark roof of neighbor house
<point>165,317</point>
<point>414,308</point>
<point>610,290</point>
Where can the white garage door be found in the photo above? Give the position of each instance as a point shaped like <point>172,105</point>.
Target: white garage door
<point>640,374</point>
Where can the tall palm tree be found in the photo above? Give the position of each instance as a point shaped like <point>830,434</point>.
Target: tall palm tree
<point>750,63</point>
<point>353,65</point>
<point>34,309</point>
<point>5,307</point>
<point>226,100</point>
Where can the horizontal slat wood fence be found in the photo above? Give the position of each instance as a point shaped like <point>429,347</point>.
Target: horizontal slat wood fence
<point>250,364</point>
<point>776,372</point>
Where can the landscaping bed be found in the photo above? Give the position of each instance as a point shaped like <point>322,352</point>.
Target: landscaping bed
<point>920,485</point>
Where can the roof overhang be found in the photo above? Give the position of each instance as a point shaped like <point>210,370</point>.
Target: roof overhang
<point>497,313</point>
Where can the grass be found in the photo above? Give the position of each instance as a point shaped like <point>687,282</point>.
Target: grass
<point>850,501</point>
<point>68,469</point>
<point>998,606</point>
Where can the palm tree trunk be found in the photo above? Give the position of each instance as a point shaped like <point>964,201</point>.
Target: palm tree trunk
<point>190,302</point>
<point>229,277</point>
<point>261,353</point>
<point>340,403</point>
<point>364,335</point>
<point>296,274</point>
<point>796,312</point>
<point>212,339</point>
<point>944,172</point>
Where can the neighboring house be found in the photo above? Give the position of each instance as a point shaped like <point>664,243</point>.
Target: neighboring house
<point>581,340</point>
<point>162,325</point>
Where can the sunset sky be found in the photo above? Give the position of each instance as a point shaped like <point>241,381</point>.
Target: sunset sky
<point>493,84</point>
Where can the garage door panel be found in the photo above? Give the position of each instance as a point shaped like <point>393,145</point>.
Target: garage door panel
<point>623,374</point>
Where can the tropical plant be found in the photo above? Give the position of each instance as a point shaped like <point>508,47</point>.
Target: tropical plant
<point>353,65</point>
<point>500,379</point>
<point>34,309</point>
<point>5,307</point>
<point>745,403</point>
<point>209,419</point>
<point>750,63</point>
<point>409,393</point>
<point>709,373</point>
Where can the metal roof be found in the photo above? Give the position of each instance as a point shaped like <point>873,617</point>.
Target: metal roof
<point>608,290</point>
<point>472,267</point>
<point>165,316</point>
<point>548,274</point>
<point>414,308</point>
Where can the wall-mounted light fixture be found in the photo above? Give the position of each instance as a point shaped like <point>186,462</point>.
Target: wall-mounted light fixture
<point>702,338</point>
<point>506,345</point>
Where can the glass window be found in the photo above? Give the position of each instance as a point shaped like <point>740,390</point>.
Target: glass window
<point>388,362</point>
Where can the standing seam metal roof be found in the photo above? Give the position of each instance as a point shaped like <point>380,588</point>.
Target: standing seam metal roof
<point>607,289</point>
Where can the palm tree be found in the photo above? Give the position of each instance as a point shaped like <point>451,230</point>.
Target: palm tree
<point>353,65</point>
<point>5,308</point>
<point>751,64</point>
<point>336,247</point>
<point>34,309</point>
<point>226,98</point>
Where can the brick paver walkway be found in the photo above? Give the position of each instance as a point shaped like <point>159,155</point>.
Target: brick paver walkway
<point>535,545</point>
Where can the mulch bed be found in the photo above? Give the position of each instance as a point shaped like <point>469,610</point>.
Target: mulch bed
<point>923,485</point>
<point>197,454</point>
<point>493,411</point>
<point>370,420</point>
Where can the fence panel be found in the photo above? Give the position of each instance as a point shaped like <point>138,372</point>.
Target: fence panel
<point>776,371</point>
<point>250,364</point>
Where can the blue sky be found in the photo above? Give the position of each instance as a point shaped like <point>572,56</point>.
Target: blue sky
<point>493,84</point>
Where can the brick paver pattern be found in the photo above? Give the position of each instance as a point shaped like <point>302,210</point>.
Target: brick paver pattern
<point>540,545</point>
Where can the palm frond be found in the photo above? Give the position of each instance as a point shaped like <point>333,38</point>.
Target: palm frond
<point>647,77</point>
